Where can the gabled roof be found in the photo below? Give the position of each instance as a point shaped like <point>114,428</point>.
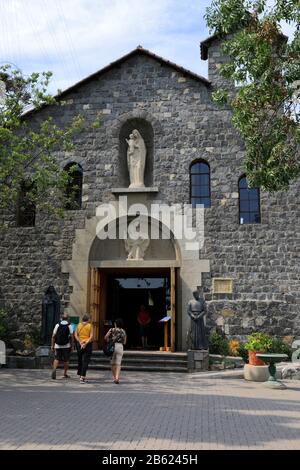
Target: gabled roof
<point>138,51</point>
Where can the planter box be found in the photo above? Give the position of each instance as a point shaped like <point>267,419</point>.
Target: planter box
<point>258,373</point>
<point>253,360</point>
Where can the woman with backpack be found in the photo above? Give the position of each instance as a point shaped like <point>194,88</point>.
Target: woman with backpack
<point>84,339</point>
<point>117,336</point>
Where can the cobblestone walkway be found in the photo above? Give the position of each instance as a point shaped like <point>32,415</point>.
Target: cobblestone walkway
<point>145,411</point>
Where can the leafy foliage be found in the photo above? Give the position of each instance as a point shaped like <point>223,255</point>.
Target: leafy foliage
<point>242,352</point>
<point>233,346</point>
<point>218,344</point>
<point>267,68</point>
<point>280,347</point>
<point>258,342</point>
<point>27,151</point>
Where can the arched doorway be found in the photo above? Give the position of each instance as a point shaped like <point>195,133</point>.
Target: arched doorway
<point>118,286</point>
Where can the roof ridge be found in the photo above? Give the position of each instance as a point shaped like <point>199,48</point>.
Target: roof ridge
<point>138,49</point>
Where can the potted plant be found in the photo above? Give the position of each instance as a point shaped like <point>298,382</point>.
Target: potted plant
<point>257,343</point>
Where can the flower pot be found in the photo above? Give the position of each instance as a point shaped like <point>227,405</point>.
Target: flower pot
<point>253,360</point>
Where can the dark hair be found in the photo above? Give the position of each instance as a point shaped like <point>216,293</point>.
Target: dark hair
<point>86,317</point>
<point>119,323</point>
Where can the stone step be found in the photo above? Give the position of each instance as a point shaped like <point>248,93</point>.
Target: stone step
<point>144,368</point>
<point>135,359</point>
<point>139,361</point>
<point>145,353</point>
<point>173,357</point>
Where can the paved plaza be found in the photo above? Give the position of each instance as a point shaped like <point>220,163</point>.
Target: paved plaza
<point>145,411</point>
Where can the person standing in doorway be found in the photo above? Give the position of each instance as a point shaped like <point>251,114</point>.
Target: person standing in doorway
<point>84,337</point>
<point>144,320</point>
<point>118,337</point>
<point>62,343</point>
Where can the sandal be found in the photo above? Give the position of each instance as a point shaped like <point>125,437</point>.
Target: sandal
<point>66,376</point>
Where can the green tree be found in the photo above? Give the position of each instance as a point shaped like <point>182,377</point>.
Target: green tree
<point>266,66</point>
<point>27,150</point>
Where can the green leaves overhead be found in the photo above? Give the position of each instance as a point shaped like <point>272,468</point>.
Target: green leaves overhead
<point>29,146</point>
<point>266,67</point>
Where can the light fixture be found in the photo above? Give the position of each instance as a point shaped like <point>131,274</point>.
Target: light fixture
<point>150,299</point>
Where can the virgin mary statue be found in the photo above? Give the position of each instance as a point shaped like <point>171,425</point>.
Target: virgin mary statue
<point>136,159</point>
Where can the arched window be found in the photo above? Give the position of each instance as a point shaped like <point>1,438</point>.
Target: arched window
<point>74,186</point>
<point>200,183</point>
<point>26,206</point>
<point>249,203</point>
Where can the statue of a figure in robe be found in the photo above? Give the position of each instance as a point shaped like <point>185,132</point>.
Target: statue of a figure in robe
<point>50,314</point>
<point>136,159</point>
<point>196,338</point>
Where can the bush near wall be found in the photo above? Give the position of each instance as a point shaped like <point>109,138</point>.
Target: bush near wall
<point>218,344</point>
<point>223,346</point>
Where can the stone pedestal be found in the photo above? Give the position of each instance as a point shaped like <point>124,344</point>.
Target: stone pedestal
<point>43,357</point>
<point>198,360</point>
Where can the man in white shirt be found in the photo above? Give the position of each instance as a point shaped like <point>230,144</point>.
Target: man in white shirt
<point>62,344</point>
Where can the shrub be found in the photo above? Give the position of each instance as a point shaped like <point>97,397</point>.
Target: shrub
<point>32,338</point>
<point>258,342</point>
<point>233,346</point>
<point>280,347</point>
<point>35,335</point>
<point>242,352</point>
<point>218,344</point>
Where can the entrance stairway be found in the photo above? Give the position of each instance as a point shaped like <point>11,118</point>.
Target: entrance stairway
<point>146,361</point>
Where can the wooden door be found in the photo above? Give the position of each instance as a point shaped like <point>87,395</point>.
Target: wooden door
<point>97,304</point>
<point>173,307</point>
<point>94,303</point>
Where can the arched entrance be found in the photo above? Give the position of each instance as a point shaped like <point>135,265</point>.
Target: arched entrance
<point>118,286</point>
<point>94,260</point>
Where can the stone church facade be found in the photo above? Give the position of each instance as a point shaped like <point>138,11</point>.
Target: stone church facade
<point>249,271</point>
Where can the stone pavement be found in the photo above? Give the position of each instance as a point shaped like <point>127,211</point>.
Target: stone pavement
<point>145,411</point>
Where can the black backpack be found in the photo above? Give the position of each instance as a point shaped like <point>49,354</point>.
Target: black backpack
<point>62,335</point>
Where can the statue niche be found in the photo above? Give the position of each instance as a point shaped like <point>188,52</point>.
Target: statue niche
<point>136,154</point>
<point>136,159</point>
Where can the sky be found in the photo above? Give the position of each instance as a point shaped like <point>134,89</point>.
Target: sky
<point>74,38</point>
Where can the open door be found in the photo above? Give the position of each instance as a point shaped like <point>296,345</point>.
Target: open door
<point>94,303</point>
<point>97,304</point>
<point>173,307</point>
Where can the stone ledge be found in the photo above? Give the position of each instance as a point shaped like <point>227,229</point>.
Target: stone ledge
<point>28,362</point>
<point>135,190</point>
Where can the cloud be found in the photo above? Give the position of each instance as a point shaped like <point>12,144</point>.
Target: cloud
<point>74,38</point>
